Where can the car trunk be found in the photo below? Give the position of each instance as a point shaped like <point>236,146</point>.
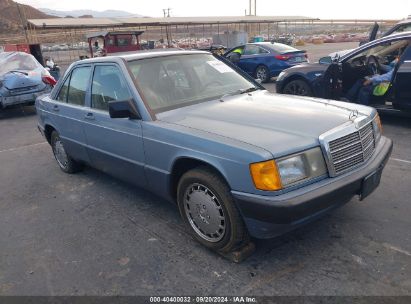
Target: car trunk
<point>293,57</point>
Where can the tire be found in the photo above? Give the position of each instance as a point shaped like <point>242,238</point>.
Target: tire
<point>298,87</point>
<point>216,211</point>
<point>65,162</point>
<point>262,73</point>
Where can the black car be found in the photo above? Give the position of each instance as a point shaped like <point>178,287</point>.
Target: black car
<point>332,79</point>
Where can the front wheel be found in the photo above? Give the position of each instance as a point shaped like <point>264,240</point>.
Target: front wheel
<point>298,87</point>
<point>209,212</point>
<point>65,162</point>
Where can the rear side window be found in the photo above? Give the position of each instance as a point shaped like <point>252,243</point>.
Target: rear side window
<point>62,96</point>
<point>78,85</point>
<point>252,49</point>
<point>108,85</point>
<point>281,48</point>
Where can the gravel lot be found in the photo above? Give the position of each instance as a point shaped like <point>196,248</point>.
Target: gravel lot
<point>90,234</point>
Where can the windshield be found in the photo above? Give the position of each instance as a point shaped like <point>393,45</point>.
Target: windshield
<point>176,81</point>
<point>17,62</point>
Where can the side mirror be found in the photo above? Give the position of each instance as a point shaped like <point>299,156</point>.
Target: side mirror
<point>123,109</point>
<point>234,57</point>
<point>325,60</point>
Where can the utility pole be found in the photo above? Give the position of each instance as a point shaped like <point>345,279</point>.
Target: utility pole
<point>166,12</point>
<point>23,23</point>
<point>252,8</point>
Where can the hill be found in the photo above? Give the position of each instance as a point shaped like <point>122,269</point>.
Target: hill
<point>95,14</point>
<point>12,14</point>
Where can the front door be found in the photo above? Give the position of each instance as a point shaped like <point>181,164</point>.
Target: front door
<point>115,145</point>
<point>402,81</point>
<point>332,85</point>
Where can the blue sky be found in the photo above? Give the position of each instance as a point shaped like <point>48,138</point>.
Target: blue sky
<point>325,9</point>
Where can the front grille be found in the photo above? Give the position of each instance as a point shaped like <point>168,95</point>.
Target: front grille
<point>352,149</point>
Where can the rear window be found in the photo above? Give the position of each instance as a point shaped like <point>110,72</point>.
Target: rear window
<point>281,48</point>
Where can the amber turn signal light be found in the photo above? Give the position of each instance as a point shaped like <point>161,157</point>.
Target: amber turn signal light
<point>265,176</point>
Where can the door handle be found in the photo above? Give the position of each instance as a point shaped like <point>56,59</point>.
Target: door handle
<point>56,108</point>
<point>89,116</point>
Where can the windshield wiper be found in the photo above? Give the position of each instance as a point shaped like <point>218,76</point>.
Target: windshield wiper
<point>249,90</point>
<point>240,91</point>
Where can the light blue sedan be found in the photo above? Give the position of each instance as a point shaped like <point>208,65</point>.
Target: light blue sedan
<point>237,160</point>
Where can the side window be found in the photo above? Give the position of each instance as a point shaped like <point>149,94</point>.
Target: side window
<point>263,51</point>
<point>108,84</point>
<point>251,50</point>
<point>78,85</point>
<point>62,96</point>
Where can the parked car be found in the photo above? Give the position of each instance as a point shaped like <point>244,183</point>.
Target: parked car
<point>264,60</point>
<point>236,159</point>
<point>329,79</point>
<point>22,79</point>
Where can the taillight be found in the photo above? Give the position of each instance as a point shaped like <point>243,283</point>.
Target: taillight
<point>48,79</point>
<point>306,56</point>
<point>283,57</point>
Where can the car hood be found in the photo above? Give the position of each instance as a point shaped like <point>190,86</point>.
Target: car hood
<point>308,67</point>
<point>340,54</point>
<point>277,123</point>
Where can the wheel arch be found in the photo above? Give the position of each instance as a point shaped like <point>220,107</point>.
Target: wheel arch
<point>184,164</point>
<point>48,129</point>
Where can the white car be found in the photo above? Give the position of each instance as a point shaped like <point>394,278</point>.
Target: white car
<point>402,26</point>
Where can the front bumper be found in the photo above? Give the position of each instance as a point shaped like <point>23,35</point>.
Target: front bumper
<point>270,216</point>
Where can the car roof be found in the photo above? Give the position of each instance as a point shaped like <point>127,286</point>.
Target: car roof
<point>142,55</point>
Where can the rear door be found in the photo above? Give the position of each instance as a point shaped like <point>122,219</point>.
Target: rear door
<point>402,81</point>
<point>114,146</point>
<point>252,57</point>
<point>67,111</point>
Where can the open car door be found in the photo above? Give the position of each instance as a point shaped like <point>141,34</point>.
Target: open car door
<point>332,88</point>
<point>374,32</point>
<point>402,81</point>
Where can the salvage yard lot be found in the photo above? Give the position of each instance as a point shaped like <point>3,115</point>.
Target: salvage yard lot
<point>90,234</point>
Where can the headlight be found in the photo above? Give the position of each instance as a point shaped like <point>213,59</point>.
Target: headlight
<point>376,123</point>
<point>275,175</point>
<point>281,75</point>
<point>292,169</point>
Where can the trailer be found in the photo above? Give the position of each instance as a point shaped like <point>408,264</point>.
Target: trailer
<point>106,43</point>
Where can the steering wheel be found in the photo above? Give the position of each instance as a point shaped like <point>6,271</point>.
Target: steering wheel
<point>372,64</point>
